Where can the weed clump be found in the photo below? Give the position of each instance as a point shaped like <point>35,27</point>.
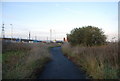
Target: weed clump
<point>100,62</point>
<point>24,60</point>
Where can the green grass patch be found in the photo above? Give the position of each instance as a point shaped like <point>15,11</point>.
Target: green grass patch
<point>24,64</point>
<point>0,58</point>
<point>12,60</point>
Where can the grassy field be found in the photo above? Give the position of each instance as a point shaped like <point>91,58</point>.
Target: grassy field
<point>24,60</point>
<point>99,62</point>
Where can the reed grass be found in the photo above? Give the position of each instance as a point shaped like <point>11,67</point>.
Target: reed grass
<point>24,60</point>
<point>99,62</point>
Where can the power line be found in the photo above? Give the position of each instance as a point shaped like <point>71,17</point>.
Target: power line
<point>3,31</point>
<point>50,34</point>
<point>29,37</point>
<point>11,31</point>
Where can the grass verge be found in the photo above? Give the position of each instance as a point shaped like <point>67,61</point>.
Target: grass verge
<point>99,62</point>
<point>24,60</point>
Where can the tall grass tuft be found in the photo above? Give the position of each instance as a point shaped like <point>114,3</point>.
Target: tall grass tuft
<point>24,60</point>
<point>99,62</point>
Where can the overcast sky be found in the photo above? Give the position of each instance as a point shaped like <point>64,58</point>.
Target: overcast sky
<point>61,17</point>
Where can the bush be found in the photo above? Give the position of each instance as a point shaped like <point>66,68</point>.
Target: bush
<point>88,35</point>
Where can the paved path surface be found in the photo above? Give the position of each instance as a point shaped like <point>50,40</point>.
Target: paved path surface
<point>61,68</point>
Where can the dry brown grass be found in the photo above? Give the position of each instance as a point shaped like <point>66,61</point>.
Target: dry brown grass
<point>24,60</point>
<point>100,62</point>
